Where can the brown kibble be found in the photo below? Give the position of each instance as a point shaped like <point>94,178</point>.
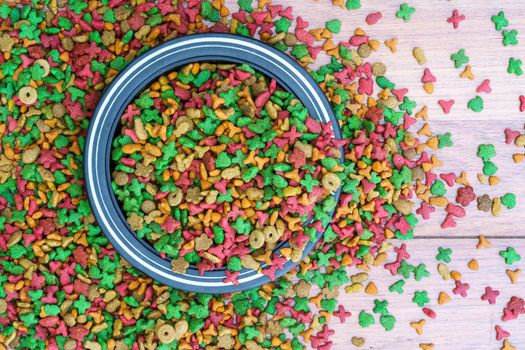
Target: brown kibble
<point>257,239</point>
<point>274,328</point>
<point>179,265</point>
<point>269,107</point>
<point>305,148</point>
<point>418,326</point>
<point>175,197</point>
<point>3,306</point>
<point>225,341</point>
<point>151,149</point>
<point>184,124</point>
<point>360,277</point>
<point>364,50</point>
<point>484,203</point>
<point>58,110</point>
<point>513,275</point>
<point>354,288</point>
<point>358,341</point>
<point>46,174</point>
<point>254,193</point>
<point>193,195</point>
<point>496,206</point>
<point>91,345</point>
<point>14,239</point>
<point>473,265</point>
<point>166,333</point>
<point>249,262</point>
<point>45,66</point>
<point>181,327</point>
<point>230,173</point>
<point>291,191</point>
<point>520,140</point>
<point>136,222</point>
<point>290,39</point>
<point>139,129</point>
<point>378,69</point>
<point>390,102</point>
<point>418,173</point>
<point>296,255</point>
<point>371,288</point>
<point>482,178</point>
<point>120,178</point>
<point>331,182</point>
<point>143,170</point>
<point>6,42</point>
<point>443,298</point>
<point>108,38</point>
<point>28,95</point>
<point>203,242</point>
<point>302,289</point>
<point>30,155</point>
<point>270,234</point>
<point>419,55</point>
<point>403,206</point>
<point>444,271</point>
<point>70,344</point>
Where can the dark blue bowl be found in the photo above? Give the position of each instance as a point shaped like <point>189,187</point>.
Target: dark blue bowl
<point>131,81</point>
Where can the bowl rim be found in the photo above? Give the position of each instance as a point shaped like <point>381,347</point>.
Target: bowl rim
<point>140,72</point>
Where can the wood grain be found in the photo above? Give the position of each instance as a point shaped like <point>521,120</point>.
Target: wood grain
<point>466,324</point>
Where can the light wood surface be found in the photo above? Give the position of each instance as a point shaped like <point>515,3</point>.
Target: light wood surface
<point>465,323</point>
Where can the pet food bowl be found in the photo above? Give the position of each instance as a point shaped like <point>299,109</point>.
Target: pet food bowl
<point>139,74</point>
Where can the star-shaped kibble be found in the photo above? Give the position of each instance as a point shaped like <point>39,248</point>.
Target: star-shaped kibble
<point>459,58</point>
<point>381,307</point>
<point>405,269</point>
<point>490,295</point>
<point>500,21</point>
<point>515,66</point>
<point>444,254</point>
<point>203,242</point>
<point>455,19</point>
<point>342,314</point>
<point>510,255</point>
<point>421,272</point>
<point>82,304</point>
<point>405,12</point>
<point>461,288</point>
<point>421,298</point>
<point>509,37</point>
<point>407,105</point>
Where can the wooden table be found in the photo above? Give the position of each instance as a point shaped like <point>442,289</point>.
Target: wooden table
<point>464,323</point>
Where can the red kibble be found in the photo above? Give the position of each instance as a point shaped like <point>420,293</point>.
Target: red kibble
<point>373,17</point>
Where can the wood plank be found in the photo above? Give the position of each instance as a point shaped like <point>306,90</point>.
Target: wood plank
<point>463,324</point>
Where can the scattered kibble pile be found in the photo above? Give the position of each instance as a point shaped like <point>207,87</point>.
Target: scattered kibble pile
<point>216,165</point>
<point>62,285</point>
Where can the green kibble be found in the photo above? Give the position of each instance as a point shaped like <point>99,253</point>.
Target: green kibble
<point>334,26</point>
<point>489,168</point>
